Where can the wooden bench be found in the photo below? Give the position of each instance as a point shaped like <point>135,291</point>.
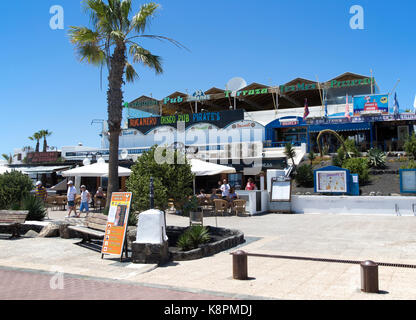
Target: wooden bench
<point>95,225</point>
<point>13,219</point>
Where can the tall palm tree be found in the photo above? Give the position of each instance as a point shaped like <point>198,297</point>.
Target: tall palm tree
<point>109,42</point>
<point>36,137</point>
<point>44,134</point>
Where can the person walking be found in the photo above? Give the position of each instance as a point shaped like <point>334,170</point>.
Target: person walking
<point>85,200</point>
<point>41,192</point>
<point>71,195</point>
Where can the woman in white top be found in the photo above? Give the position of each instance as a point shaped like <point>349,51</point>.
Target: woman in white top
<point>85,200</point>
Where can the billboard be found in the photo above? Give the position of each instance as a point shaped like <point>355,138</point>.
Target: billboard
<point>371,104</point>
<point>118,217</point>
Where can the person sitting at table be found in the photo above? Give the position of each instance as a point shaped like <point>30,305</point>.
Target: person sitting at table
<point>99,194</point>
<point>231,197</point>
<point>202,194</point>
<point>213,194</point>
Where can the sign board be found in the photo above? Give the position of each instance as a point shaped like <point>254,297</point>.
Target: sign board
<point>118,216</point>
<point>281,190</point>
<point>220,119</point>
<point>407,180</point>
<point>370,104</point>
<point>332,180</point>
<point>43,157</point>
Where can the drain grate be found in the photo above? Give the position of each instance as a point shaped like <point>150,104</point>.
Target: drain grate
<point>383,264</point>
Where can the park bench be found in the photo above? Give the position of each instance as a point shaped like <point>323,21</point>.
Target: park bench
<point>13,219</point>
<point>95,225</point>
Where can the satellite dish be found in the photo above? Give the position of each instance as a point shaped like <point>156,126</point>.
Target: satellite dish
<point>124,154</point>
<point>235,84</point>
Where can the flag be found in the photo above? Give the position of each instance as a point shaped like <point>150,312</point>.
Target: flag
<point>396,105</point>
<point>347,108</point>
<point>306,112</point>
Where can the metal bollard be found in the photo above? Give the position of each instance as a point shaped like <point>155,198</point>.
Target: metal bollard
<point>240,270</point>
<point>369,277</point>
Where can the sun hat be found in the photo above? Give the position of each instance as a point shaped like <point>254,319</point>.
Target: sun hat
<point>70,182</point>
<point>38,183</point>
<point>83,187</point>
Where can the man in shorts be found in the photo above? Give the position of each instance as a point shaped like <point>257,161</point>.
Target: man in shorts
<point>71,195</point>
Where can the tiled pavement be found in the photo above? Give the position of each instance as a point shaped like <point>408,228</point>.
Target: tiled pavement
<point>34,285</point>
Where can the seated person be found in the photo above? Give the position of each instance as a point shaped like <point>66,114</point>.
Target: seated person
<point>232,196</point>
<point>213,195</point>
<point>202,194</point>
<point>99,194</point>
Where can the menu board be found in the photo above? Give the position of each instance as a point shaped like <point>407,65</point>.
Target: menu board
<point>408,181</point>
<point>118,217</point>
<point>331,181</point>
<point>281,191</point>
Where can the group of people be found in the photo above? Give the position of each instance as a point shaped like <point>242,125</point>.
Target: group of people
<point>72,193</point>
<point>227,192</point>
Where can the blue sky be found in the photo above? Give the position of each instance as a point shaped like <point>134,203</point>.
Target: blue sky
<point>43,85</point>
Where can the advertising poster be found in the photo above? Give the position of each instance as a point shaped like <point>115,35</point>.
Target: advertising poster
<point>370,104</point>
<point>331,181</point>
<point>118,216</point>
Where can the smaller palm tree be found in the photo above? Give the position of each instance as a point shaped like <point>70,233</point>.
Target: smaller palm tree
<point>44,134</point>
<point>8,158</point>
<point>290,153</point>
<point>36,137</point>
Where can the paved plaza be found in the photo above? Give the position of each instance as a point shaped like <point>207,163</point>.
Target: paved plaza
<point>389,239</point>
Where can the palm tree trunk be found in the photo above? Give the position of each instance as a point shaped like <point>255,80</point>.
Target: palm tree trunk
<point>45,145</point>
<point>37,146</point>
<point>115,100</point>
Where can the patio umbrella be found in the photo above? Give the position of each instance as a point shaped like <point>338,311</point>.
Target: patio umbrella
<point>202,168</point>
<point>95,170</point>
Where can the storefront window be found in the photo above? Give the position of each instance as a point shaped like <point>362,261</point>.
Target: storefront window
<point>235,180</point>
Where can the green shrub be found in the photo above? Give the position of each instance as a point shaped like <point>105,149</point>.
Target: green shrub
<point>36,208</point>
<point>193,237</point>
<point>376,158</point>
<point>358,166</point>
<point>352,148</point>
<point>304,176</point>
<point>410,165</point>
<point>410,146</point>
<point>169,181</point>
<point>14,187</point>
<point>190,205</point>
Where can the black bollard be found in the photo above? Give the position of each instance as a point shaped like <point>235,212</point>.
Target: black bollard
<point>369,277</point>
<point>240,270</point>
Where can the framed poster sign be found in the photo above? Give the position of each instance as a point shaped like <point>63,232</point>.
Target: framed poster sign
<point>407,180</point>
<point>331,181</point>
<point>118,216</point>
<point>281,190</point>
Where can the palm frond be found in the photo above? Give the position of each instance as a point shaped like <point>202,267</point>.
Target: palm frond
<point>144,56</point>
<point>81,35</point>
<point>142,19</point>
<point>92,53</point>
<point>162,39</point>
<point>131,73</point>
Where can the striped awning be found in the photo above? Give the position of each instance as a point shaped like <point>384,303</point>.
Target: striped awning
<point>359,126</point>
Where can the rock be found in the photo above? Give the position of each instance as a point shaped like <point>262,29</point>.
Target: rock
<point>379,194</point>
<point>372,193</point>
<point>31,234</point>
<point>49,231</point>
<point>308,193</point>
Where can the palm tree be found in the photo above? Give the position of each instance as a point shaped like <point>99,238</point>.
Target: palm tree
<point>8,158</point>
<point>109,42</point>
<point>290,153</point>
<point>36,137</point>
<point>44,134</point>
